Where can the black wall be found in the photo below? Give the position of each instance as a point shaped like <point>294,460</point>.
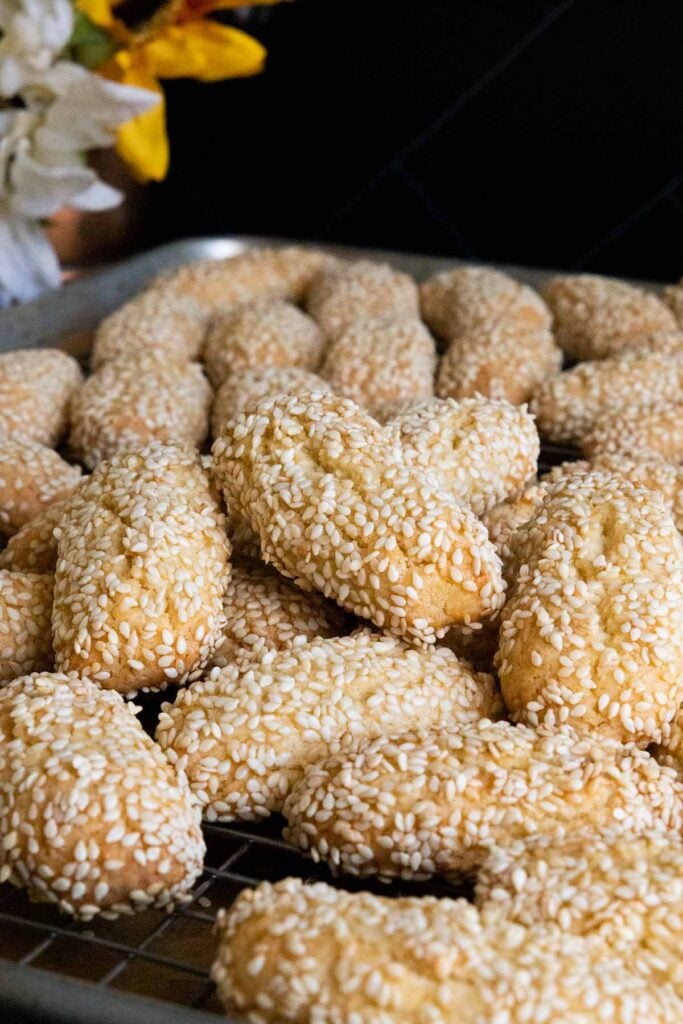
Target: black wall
<point>534,131</point>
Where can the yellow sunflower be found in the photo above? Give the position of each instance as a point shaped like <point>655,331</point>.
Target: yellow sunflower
<point>177,42</point>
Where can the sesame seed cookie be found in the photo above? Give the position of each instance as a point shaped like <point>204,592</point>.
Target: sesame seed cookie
<point>260,334</point>
<point>638,432</point>
<point>381,360</point>
<point>263,608</point>
<point>25,630</point>
<point>259,273</point>
<point>32,477</point>
<point>459,301</point>
<point>597,316</point>
<point>499,360</point>
<point>424,803</point>
<point>360,290</point>
<point>245,734</point>
<point>141,572</point>
<point>652,473</point>
<point>318,955</point>
<point>338,510</point>
<point>132,400</point>
<point>592,631</point>
<point>34,547</point>
<point>242,391</point>
<point>481,451</point>
<point>160,321</point>
<point>567,406</point>
<point>625,889</point>
<point>93,818</point>
<point>35,388</point>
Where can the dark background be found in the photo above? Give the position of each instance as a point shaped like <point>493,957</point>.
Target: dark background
<point>527,131</point>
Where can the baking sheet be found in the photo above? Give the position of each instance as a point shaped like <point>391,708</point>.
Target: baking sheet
<point>42,953</point>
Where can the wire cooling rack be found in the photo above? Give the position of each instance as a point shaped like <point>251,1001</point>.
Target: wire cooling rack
<point>156,954</point>
<point>153,968</point>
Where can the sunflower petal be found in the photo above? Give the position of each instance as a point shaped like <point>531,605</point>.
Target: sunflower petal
<point>99,11</point>
<point>204,50</point>
<point>143,142</point>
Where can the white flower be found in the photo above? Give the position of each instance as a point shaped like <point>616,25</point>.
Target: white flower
<point>28,264</point>
<point>34,32</point>
<point>63,111</point>
<point>68,111</point>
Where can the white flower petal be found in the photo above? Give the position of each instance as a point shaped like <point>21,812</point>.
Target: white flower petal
<point>34,33</point>
<point>28,263</point>
<point>99,196</point>
<point>40,189</point>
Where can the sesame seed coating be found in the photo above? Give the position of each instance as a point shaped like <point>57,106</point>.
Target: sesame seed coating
<point>567,406</point>
<point>245,734</point>
<point>25,632</point>
<point>34,547</point>
<point>262,607</point>
<point>35,387</point>
<point>32,477</point>
<point>360,290</point>
<point>259,334</point>
<point>338,510</point>
<point>93,818</point>
<point>652,473</point>
<point>141,572</point>
<point>625,889</point>
<point>597,316</point>
<point>311,954</point>
<point>647,431</point>
<point>669,340</point>
<point>133,400</point>
<point>380,360</point>
<point>260,273</point>
<point>425,803</point>
<point>502,359</point>
<point>592,632</point>
<point>458,301</point>
<point>160,321</point>
<point>243,390</point>
<point>482,450</point>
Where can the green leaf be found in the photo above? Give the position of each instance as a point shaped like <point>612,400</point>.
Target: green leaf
<point>90,45</point>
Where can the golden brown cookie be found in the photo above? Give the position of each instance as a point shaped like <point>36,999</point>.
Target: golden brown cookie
<point>595,317</point>
<point>32,477</point>
<point>339,510</point>
<point>245,734</point>
<point>381,360</point>
<point>434,802</point>
<point>133,400</point>
<point>35,388</point>
<point>266,333</point>
<point>141,572</point>
<point>93,818</point>
<point>358,291</point>
<point>316,955</point>
<point>592,632</point>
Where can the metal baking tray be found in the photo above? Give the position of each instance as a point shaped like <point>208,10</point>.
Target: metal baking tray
<point>153,968</point>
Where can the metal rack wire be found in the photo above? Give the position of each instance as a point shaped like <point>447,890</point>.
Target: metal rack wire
<point>166,956</point>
